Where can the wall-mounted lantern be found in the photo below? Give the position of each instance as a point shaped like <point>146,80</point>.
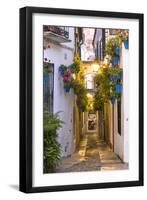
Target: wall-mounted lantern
<point>95,67</point>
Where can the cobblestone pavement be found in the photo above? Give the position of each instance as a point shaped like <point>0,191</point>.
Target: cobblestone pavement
<point>93,155</point>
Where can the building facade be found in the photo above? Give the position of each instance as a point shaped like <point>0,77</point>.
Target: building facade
<point>59,49</point>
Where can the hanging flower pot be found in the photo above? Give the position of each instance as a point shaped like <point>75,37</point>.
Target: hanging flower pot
<point>117,51</point>
<point>114,77</point>
<point>115,60</point>
<point>118,88</point>
<point>65,78</point>
<point>66,88</point>
<point>126,44</point>
<point>62,70</point>
<point>117,76</point>
<point>111,77</point>
<point>115,73</point>
<point>112,99</point>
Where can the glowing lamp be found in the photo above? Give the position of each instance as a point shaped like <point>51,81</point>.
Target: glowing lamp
<point>95,67</point>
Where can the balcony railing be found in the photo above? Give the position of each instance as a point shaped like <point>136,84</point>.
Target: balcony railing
<point>56,33</point>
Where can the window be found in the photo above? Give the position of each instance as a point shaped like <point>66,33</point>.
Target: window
<point>119,116</point>
<point>48,86</point>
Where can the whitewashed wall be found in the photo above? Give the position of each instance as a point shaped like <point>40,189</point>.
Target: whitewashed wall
<point>121,143</point>
<point>63,102</point>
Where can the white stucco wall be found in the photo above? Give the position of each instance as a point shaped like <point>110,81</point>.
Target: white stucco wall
<point>63,102</point>
<point>125,64</point>
<point>118,139</point>
<point>121,143</point>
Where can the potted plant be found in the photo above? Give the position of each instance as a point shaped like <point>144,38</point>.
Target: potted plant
<point>67,87</point>
<point>112,94</point>
<point>115,60</point>
<point>112,99</point>
<point>115,76</point>
<point>108,84</point>
<point>113,49</point>
<point>117,45</point>
<point>113,46</point>
<point>117,50</point>
<point>62,69</point>
<point>115,73</point>
<point>118,88</point>
<point>52,150</point>
<point>115,91</point>
<point>66,75</point>
<point>67,81</point>
<point>126,43</point>
<point>125,38</point>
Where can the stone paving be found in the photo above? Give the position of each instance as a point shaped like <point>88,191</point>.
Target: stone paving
<point>93,155</point>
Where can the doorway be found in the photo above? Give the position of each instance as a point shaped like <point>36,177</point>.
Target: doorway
<point>91,122</point>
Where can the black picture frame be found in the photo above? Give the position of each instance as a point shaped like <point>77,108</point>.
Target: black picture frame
<point>26,92</point>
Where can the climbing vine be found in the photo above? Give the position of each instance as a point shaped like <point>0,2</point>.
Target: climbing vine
<point>81,93</point>
<point>73,78</point>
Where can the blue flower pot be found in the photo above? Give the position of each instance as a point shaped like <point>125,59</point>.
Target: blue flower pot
<point>118,88</point>
<point>126,44</point>
<point>115,60</point>
<point>112,99</point>
<point>111,77</point>
<point>117,51</point>
<point>67,88</point>
<point>118,76</point>
<point>61,71</point>
<point>115,77</point>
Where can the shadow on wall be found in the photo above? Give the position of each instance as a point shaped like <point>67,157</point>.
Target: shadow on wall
<point>14,187</point>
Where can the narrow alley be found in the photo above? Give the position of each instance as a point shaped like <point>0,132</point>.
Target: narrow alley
<point>93,154</point>
<point>85,99</point>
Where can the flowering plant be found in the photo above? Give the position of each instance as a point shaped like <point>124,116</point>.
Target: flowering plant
<point>62,69</point>
<point>67,77</point>
<point>124,35</point>
<point>111,45</point>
